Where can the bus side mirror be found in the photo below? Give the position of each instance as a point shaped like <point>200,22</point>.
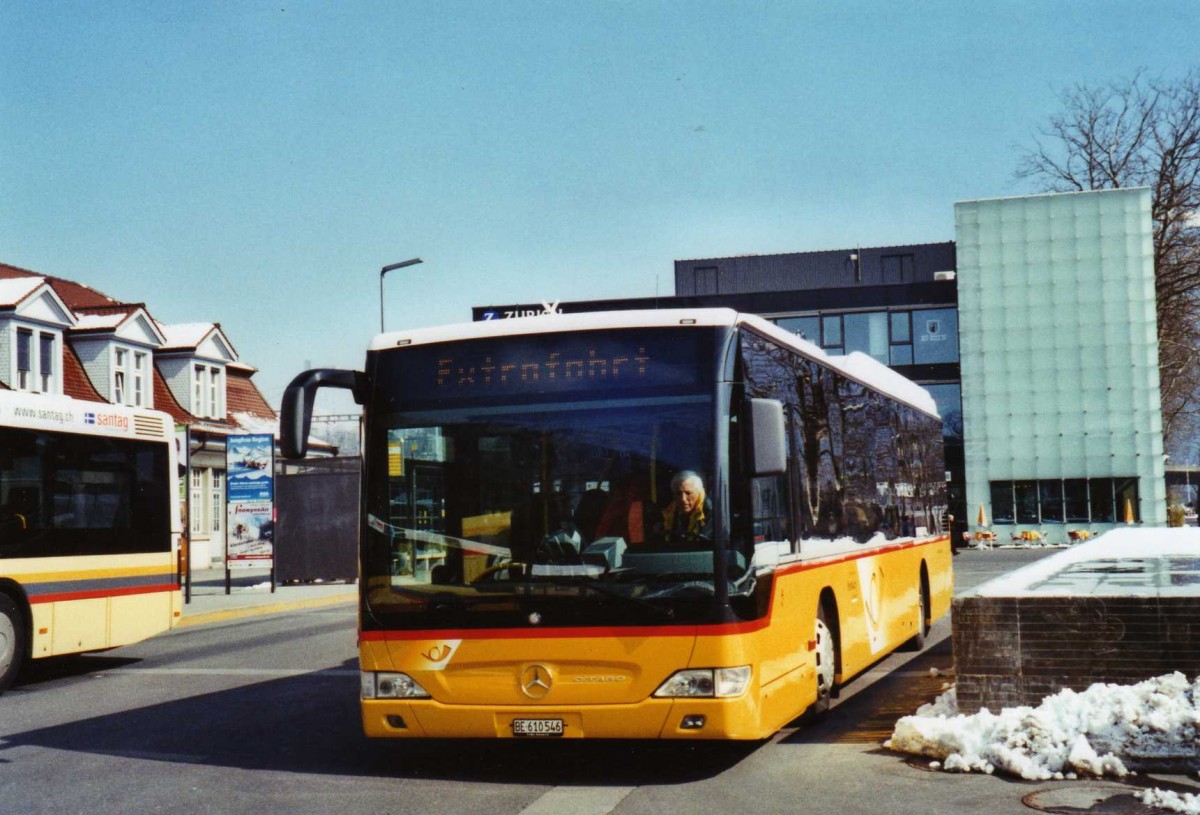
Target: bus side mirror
<point>295,412</point>
<point>767,438</point>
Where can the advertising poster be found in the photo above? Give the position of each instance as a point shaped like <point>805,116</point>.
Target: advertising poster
<point>251,528</point>
<point>249,464</point>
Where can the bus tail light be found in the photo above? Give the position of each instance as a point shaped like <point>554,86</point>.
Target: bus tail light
<point>380,685</point>
<point>720,683</point>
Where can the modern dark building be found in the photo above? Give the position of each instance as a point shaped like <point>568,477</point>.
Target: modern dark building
<point>899,304</point>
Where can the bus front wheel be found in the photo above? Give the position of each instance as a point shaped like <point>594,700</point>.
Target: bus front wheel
<point>826,657</point>
<point>12,641</point>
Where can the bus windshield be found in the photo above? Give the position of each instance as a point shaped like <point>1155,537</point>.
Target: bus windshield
<point>483,513</point>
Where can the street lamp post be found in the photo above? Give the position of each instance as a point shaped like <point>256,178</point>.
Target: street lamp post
<point>384,271</point>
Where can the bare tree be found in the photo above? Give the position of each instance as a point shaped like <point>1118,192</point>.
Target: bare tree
<point>1142,132</point>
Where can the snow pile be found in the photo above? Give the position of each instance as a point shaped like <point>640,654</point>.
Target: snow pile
<point>1187,803</point>
<point>1069,734</point>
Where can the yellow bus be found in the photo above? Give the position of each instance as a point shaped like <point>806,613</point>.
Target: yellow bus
<point>89,527</point>
<point>678,524</point>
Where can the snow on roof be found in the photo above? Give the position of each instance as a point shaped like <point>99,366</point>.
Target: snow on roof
<point>256,424</point>
<point>15,289</point>
<point>1127,561</point>
<point>856,366</point>
<point>93,322</point>
<point>185,335</point>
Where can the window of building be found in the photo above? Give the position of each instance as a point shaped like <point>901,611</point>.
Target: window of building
<point>807,328</point>
<point>217,479</point>
<point>1126,493</point>
<point>24,359</point>
<point>896,268</point>
<point>46,361</point>
<point>867,332</point>
<point>1075,496</point>
<point>935,336</point>
<point>1051,493</point>
<point>1026,495</point>
<point>208,391</point>
<point>141,361</point>
<point>36,367</point>
<point>831,332</point>
<point>120,362</point>
<point>900,350</point>
<point>1101,493</point>
<point>198,376</point>
<point>196,522</point>
<point>1002,502</point>
<point>1070,500</point>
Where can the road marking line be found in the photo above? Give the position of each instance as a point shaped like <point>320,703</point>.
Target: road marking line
<point>578,801</point>
<point>180,758</point>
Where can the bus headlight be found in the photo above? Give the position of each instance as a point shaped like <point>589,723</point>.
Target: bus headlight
<point>381,685</point>
<point>706,682</point>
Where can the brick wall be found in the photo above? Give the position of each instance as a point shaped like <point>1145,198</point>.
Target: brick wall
<point>1011,651</point>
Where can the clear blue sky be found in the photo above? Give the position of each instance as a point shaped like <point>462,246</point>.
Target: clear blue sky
<point>255,164</point>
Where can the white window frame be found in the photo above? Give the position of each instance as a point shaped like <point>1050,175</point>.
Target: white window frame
<point>216,393</point>
<point>120,364</point>
<point>198,389</point>
<point>196,521</point>
<point>42,375</point>
<point>24,377</point>
<point>217,493</point>
<point>208,391</point>
<point>129,376</point>
<point>140,364</point>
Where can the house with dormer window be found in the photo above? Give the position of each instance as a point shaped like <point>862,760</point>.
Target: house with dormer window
<point>62,337</point>
<point>116,346</point>
<point>33,320</point>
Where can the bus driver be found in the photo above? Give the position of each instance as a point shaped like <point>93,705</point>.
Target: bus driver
<point>689,515</point>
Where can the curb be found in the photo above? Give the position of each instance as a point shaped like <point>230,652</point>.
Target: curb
<point>208,617</point>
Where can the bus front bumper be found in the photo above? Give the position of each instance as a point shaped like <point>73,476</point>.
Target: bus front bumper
<point>650,719</point>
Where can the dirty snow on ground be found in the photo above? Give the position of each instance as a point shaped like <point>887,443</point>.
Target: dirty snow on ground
<point>1069,735</point>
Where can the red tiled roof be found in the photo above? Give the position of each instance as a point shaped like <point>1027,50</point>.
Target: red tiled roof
<point>165,401</point>
<point>243,396</point>
<point>75,295</point>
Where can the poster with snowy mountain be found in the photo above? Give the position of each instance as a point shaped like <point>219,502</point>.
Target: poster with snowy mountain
<point>249,462</point>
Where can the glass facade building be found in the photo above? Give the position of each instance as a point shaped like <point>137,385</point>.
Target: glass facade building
<point>1060,391</point>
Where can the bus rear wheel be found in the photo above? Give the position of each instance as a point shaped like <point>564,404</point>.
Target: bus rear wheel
<point>12,641</point>
<point>917,641</point>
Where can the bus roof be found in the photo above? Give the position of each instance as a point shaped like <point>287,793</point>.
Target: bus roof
<point>856,365</point>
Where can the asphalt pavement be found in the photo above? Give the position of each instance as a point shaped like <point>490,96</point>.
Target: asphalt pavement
<point>249,594</point>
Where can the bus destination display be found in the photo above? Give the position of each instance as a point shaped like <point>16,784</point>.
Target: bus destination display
<point>583,362</point>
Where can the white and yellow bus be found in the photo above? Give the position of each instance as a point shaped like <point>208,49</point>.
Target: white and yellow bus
<point>89,527</point>
<point>519,574</point>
